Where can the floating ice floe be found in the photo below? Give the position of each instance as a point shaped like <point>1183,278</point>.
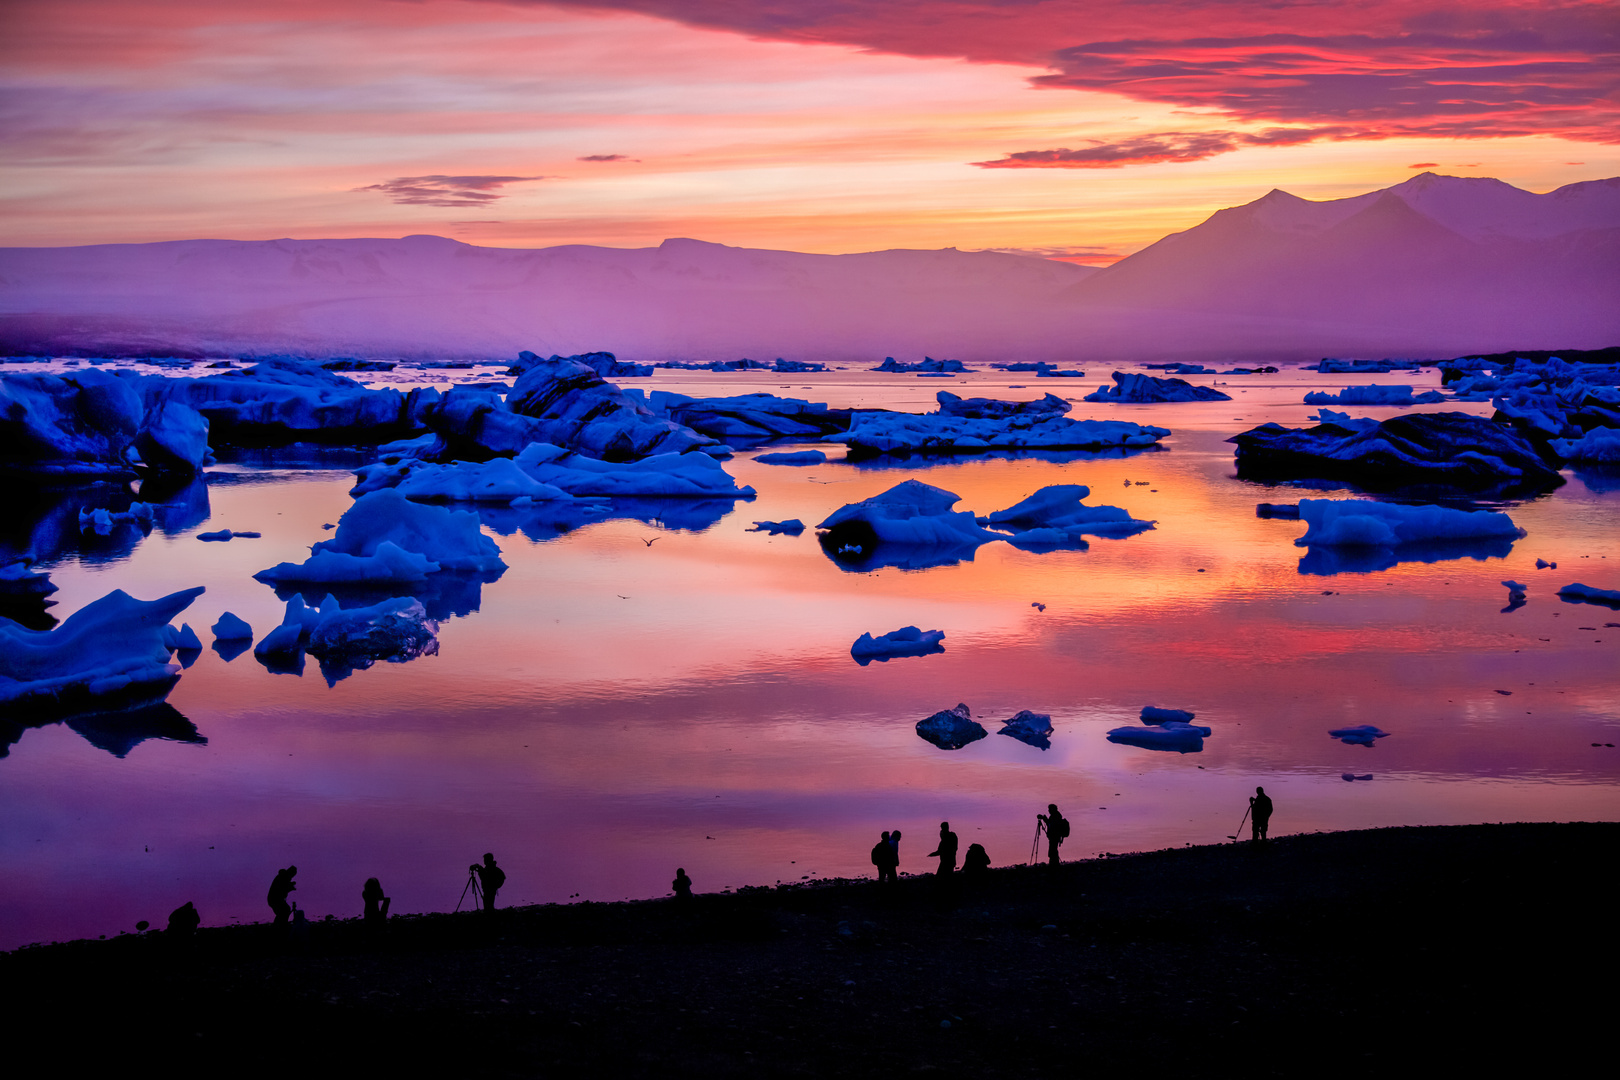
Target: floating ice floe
<point>797,457</point>
<point>576,409</point>
<point>222,535</point>
<point>951,729</point>
<point>231,627</point>
<point>1330,365</point>
<point>1029,727</point>
<point>1167,733</point>
<point>993,409</point>
<point>1375,394</point>
<point>543,472</point>
<point>1586,594</point>
<point>1055,517</point>
<point>173,438</point>
<point>906,641</point>
<point>604,364</point>
<point>101,520</point>
<point>348,639</point>
<point>945,432</point>
<point>1364,523</point>
<point>911,513</point>
<point>286,400</point>
<point>1548,398</point>
<point>110,654</point>
<point>926,364</point>
<point>1360,735</point>
<point>1353,776</point>
<point>77,426</point>
<point>386,538</point>
<point>790,527</point>
<point>1421,450</point>
<point>744,418</point>
<point>1137,389</point>
<point>1600,446</point>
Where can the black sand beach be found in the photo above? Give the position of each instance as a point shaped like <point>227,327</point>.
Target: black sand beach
<point>1380,952</point>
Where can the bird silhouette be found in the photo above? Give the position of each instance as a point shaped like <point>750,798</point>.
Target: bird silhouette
<point>651,542</point>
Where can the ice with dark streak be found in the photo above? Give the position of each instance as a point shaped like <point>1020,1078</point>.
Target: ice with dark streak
<point>906,641</point>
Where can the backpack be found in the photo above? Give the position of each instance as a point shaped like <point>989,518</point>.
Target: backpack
<point>1060,828</point>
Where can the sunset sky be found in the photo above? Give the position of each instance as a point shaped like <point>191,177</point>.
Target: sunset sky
<point>1074,128</point>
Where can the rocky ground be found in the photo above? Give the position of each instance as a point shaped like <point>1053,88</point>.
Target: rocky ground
<point>1391,951</point>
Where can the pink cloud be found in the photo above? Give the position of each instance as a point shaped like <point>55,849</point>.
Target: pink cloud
<point>1392,67</point>
<point>445,190</point>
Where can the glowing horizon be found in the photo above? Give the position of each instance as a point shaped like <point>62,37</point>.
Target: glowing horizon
<point>1022,127</point>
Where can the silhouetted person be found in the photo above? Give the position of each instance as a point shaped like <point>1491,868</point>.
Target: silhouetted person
<point>946,850</point>
<point>279,890</point>
<point>1057,831</point>
<point>894,845</point>
<point>184,920</point>
<point>977,861</point>
<point>490,879</point>
<point>1259,813</point>
<point>682,884</point>
<point>376,911</point>
<point>886,861</point>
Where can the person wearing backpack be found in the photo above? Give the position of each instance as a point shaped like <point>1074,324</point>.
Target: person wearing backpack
<point>1057,830</point>
<point>490,879</point>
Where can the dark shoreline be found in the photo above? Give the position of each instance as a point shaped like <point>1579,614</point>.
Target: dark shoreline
<point>1384,951</point>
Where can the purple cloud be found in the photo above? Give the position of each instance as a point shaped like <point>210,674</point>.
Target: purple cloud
<point>1166,146</point>
<point>604,157</point>
<point>445,190</point>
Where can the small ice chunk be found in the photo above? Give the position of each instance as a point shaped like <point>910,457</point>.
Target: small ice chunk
<point>951,729</point>
<point>231,628</point>
<point>792,527</point>
<point>1353,776</point>
<point>187,638</point>
<point>798,457</point>
<point>1543,564</point>
<point>1029,727</point>
<point>1589,594</point>
<point>216,537</point>
<point>1172,735</point>
<point>1360,735</point>
<point>906,641</point>
<point>1154,715</point>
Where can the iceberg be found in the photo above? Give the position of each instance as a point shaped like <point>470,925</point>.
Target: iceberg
<point>543,472</point>
<point>1055,517</point>
<point>108,655</point>
<point>1029,727</point>
<point>1600,446</point>
<point>910,514</point>
<point>951,729</point>
<point>1363,523</point>
<point>1447,451</point>
<point>79,426</point>
<point>386,538</point>
<point>1375,394</point>
<point>790,527</point>
<point>231,627</point>
<point>906,641</point>
<point>1360,735</point>
<point>282,399</point>
<point>1137,389</point>
<point>926,364</point>
<point>798,457</point>
<point>1172,735</point>
<point>348,639</point>
<point>575,408</point>
<point>1152,714</point>
<point>745,418</point>
<point>992,409</point>
<point>173,438</point>
<point>1577,593</point>
<point>906,433</point>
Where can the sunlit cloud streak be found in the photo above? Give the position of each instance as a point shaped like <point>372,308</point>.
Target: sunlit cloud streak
<point>445,190</point>
<point>1164,146</point>
<point>1492,69</point>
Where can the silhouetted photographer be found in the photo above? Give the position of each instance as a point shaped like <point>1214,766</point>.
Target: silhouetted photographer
<point>489,877</point>
<point>280,888</point>
<point>376,904</point>
<point>1259,814</point>
<point>1056,827</point>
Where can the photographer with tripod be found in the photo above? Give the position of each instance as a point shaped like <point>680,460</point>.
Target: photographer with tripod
<point>1056,827</point>
<point>486,879</point>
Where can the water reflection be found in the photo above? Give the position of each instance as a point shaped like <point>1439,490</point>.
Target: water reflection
<point>1328,560</point>
<point>446,594</point>
<point>892,462</point>
<point>115,732</point>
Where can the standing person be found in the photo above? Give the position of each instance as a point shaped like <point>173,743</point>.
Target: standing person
<point>946,850</point>
<point>682,884</point>
<point>376,910</point>
<point>883,857</point>
<point>1259,813</point>
<point>894,846</point>
<point>976,862</point>
<point>280,887</point>
<point>1057,831</point>
<point>490,879</point>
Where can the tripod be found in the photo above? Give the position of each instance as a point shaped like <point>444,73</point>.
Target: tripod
<point>473,887</point>
<point>1040,826</point>
<point>1240,823</point>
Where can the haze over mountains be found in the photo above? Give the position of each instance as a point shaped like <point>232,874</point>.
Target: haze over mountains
<point>1433,266</point>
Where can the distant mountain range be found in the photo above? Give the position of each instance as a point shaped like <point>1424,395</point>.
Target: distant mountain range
<point>1436,265</point>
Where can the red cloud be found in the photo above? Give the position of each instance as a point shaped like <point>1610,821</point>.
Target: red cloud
<point>445,190</point>
<point>1386,67</point>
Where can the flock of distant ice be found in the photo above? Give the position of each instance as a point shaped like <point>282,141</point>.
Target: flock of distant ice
<point>563,445</point>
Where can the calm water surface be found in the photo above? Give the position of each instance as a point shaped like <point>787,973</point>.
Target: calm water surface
<point>608,709</point>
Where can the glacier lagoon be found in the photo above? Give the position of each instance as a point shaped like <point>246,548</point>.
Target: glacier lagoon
<point>609,708</point>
